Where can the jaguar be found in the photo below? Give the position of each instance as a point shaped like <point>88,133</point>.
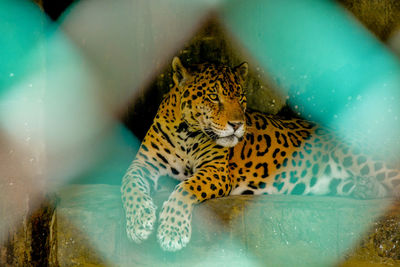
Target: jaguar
<point>204,136</point>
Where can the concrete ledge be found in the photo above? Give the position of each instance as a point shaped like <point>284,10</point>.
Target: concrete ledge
<point>232,231</point>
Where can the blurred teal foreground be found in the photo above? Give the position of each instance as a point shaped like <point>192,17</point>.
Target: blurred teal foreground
<point>62,89</point>
<point>334,71</point>
<point>22,32</point>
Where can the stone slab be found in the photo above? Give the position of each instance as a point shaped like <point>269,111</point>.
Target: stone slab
<point>231,231</point>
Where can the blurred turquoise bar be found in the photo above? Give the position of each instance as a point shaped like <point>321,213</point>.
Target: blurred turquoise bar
<point>22,27</point>
<point>334,71</point>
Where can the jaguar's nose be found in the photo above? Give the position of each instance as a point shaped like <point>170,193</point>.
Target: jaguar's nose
<point>235,124</point>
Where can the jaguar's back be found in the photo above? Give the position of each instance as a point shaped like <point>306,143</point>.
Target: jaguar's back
<point>280,156</point>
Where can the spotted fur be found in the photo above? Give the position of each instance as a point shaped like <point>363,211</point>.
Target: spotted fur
<point>203,136</point>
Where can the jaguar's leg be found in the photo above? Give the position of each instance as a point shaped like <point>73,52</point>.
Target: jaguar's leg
<point>371,185</point>
<point>366,178</point>
<point>140,210</point>
<point>175,218</point>
<point>368,187</point>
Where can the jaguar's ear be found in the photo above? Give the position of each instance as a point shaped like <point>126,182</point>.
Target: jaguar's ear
<point>180,74</point>
<point>241,70</point>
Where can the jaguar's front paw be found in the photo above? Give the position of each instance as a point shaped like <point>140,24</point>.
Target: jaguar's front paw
<point>174,230</point>
<point>140,218</point>
<point>173,237</point>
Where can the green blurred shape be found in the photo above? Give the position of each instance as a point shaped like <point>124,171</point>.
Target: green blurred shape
<point>321,57</point>
<point>114,152</point>
<point>22,28</point>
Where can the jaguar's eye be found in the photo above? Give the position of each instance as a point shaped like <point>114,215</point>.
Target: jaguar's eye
<point>213,97</point>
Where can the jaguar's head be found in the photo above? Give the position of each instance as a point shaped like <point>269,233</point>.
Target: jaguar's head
<point>212,100</point>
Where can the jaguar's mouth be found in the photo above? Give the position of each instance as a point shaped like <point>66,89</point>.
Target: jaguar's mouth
<point>226,141</point>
